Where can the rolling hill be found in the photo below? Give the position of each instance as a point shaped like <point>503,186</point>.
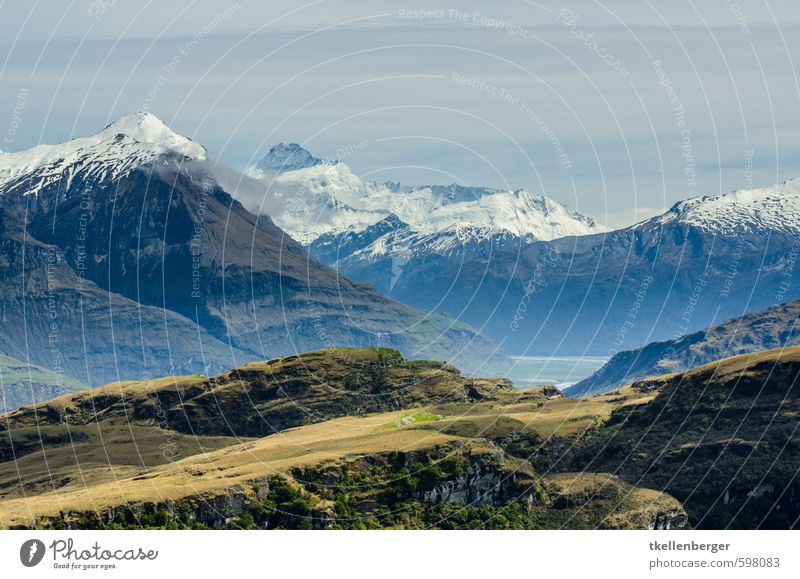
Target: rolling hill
<point>330,439</point>
<point>366,439</point>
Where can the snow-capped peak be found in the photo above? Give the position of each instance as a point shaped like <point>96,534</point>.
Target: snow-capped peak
<point>316,199</point>
<point>126,144</point>
<point>287,157</point>
<point>775,208</point>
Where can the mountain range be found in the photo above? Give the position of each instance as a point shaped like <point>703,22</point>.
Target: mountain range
<point>310,199</point>
<point>386,233</point>
<point>23,384</point>
<point>126,254</point>
<point>126,259</point>
<point>536,277</point>
<point>122,256</point>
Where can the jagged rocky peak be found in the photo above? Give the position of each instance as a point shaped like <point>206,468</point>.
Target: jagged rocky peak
<point>288,157</point>
<point>390,223</point>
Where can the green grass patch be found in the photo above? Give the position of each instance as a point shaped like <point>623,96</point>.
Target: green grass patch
<point>414,418</point>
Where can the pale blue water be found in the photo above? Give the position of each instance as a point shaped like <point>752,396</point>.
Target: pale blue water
<point>563,371</point>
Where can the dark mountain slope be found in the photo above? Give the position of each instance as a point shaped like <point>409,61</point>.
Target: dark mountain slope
<point>60,320</point>
<point>23,384</point>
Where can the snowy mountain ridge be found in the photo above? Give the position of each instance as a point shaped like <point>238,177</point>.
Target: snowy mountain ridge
<point>775,208</point>
<point>326,198</point>
<point>130,142</point>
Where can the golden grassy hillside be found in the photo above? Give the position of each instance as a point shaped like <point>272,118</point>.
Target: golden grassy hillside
<point>85,458</point>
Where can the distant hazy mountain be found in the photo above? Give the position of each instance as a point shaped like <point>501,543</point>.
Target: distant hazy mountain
<point>23,384</point>
<point>535,276</point>
<point>129,246</point>
<point>283,157</point>
<point>704,261</point>
<point>774,327</point>
<point>391,254</point>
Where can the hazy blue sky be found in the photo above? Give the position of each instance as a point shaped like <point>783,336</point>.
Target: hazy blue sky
<point>617,108</point>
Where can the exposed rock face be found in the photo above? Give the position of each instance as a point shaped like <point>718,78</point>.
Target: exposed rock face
<point>478,489</point>
<point>670,519</point>
<point>487,479</point>
<point>213,511</point>
<point>774,327</point>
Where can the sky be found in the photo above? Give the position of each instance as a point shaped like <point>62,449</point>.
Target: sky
<point>616,108</point>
